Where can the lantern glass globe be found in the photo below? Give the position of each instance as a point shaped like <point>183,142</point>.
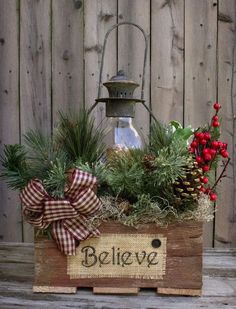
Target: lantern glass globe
<point>122,134</point>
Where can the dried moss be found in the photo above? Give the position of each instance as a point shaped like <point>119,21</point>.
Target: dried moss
<point>203,212</point>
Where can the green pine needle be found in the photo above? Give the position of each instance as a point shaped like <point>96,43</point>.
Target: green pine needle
<point>14,166</point>
<point>55,180</point>
<point>125,174</point>
<point>160,136</point>
<point>79,138</point>
<point>42,152</point>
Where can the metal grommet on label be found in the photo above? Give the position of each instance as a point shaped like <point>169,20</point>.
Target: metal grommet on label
<point>156,243</point>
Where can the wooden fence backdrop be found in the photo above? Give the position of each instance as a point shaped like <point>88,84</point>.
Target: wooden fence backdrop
<point>50,52</point>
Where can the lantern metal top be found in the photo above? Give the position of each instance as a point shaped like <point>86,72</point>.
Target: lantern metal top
<point>120,102</point>
<point>121,77</point>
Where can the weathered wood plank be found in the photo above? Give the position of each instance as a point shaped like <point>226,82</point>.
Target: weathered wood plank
<point>200,69</point>
<point>10,210</point>
<point>225,229</point>
<point>35,72</point>
<point>107,290</point>
<point>99,16</point>
<point>167,56</point>
<point>185,292</point>
<point>131,52</point>
<point>54,289</point>
<point>67,56</point>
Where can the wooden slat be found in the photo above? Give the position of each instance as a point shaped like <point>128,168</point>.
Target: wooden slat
<point>99,16</point>
<point>54,289</point>
<point>167,55</point>
<point>185,292</point>
<point>107,290</point>
<point>67,57</point>
<point>225,229</point>
<point>200,69</point>
<point>10,211</point>
<point>35,71</point>
<point>131,52</point>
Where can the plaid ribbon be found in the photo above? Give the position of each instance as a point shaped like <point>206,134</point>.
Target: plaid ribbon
<point>68,218</point>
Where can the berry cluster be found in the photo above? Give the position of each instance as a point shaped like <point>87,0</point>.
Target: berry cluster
<point>206,149</point>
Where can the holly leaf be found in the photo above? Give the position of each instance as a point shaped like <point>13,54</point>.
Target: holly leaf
<point>176,124</point>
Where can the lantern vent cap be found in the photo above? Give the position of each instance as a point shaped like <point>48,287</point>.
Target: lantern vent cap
<point>120,78</point>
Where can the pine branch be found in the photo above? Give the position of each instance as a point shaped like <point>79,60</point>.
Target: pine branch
<point>56,179</point>
<point>79,138</point>
<point>14,166</point>
<point>160,136</point>
<point>125,174</point>
<point>42,153</point>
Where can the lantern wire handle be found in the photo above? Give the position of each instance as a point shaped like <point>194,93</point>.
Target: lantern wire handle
<point>144,64</point>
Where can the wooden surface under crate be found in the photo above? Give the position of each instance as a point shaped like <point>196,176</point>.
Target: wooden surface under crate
<point>183,273</point>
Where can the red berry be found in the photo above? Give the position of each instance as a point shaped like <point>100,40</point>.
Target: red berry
<point>213,197</point>
<point>224,153</point>
<point>217,106</point>
<point>216,124</point>
<point>199,159</point>
<point>196,134</point>
<point>215,118</point>
<point>212,152</point>
<point>206,150</point>
<point>207,135</point>
<point>214,144</point>
<point>208,190</point>
<point>201,135</point>
<point>203,141</point>
<point>203,189</point>
<point>224,146</point>
<point>204,180</point>
<point>194,144</point>
<point>206,168</point>
<point>207,157</point>
<point>220,144</point>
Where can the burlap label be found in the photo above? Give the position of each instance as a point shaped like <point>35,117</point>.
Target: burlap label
<point>119,256</point>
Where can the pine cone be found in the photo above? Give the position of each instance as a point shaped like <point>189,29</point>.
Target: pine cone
<point>188,187</point>
<point>149,162</point>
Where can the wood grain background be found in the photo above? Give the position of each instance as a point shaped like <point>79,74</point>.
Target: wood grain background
<point>50,52</point>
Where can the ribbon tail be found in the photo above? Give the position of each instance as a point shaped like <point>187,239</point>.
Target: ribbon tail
<point>64,240</point>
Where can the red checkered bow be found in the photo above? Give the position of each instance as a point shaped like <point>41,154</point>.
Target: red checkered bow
<point>68,218</point>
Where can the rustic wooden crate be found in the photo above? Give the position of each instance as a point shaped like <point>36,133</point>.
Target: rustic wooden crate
<point>182,273</point>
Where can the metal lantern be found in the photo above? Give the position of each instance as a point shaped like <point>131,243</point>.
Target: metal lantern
<point>120,104</point>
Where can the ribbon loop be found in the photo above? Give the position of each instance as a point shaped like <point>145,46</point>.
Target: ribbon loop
<point>68,217</point>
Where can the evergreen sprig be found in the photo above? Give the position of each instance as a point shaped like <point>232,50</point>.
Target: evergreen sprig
<point>79,138</point>
<point>42,153</point>
<point>170,164</point>
<point>14,166</point>
<point>160,136</point>
<point>125,174</point>
<point>55,180</point>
